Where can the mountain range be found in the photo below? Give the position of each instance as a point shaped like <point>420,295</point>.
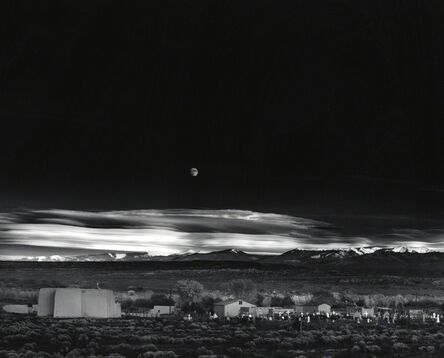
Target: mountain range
<point>295,256</point>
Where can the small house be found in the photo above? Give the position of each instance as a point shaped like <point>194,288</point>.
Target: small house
<point>416,313</point>
<point>306,309</point>
<point>322,308</point>
<point>368,312</point>
<point>22,309</point>
<point>234,308</point>
<point>274,312</point>
<point>264,312</point>
<point>357,315</point>
<point>158,311</point>
<point>350,310</point>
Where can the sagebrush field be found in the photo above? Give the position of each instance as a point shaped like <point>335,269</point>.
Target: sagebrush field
<point>138,337</point>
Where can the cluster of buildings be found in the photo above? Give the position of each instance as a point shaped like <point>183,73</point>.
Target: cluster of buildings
<point>98,303</point>
<point>156,311</point>
<point>241,308</point>
<point>390,315</point>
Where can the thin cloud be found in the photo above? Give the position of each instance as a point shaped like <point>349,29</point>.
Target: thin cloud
<point>164,232</point>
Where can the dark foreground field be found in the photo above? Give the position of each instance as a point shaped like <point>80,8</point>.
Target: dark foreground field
<point>25,336</point>
<point>30,336</point>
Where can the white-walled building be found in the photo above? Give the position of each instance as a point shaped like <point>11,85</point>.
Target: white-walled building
<point>22,309</point>
<point>324,308</point>
<point>158,311</point>
<point>368,312</point>
<point>77,302</point>
<point>310,308</point>
<point>234,308</point>
<point>272,311</point>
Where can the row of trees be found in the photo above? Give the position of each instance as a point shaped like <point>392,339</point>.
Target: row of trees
<point>148,303</point>
<point>192,297</point>
<point>191,294</point>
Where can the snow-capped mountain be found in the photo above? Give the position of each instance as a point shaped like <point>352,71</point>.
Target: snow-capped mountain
<point>54,258</point>
<point>292,256</point>
<point>224,255</point>
<point>366,250</point>
<point>412,249</point>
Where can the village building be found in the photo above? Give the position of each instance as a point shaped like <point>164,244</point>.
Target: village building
<point>77,302</point>
<point>323,308</point>
<point>368,312</point>
<point>357,315</point>
<point>158,311</point>
<point>351,310</point>
<point>234,308</point>
<point>21,309</point>
<point>272,312</point>
<point>416,313</point>
<point>132,295</point>
<point>306,309</point>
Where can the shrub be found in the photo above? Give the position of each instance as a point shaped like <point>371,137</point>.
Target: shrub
<point>374,348</point>
<point>355,349</point>
<point>399,346</point>
<point>159,354</point>
<point>203,351</point>
<point>430,349</point>
<point>235,351</point>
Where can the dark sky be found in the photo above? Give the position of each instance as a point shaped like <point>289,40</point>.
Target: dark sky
<point>314,107</point>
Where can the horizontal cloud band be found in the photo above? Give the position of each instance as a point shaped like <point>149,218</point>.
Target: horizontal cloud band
<point>164,232</point>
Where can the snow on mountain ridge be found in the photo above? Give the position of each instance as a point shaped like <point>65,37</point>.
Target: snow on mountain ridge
<point>412,249</point>
<point>307,253</point>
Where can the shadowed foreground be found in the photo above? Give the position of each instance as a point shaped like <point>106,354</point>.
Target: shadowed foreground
<point>37,337</point>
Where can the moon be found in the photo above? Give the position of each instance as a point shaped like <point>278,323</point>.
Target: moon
<point>194,172</point>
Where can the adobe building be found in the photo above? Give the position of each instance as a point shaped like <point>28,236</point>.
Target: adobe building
<point>234,308</point>
<point>158,311</point>
<point>416,313</point>
<point>273,312</point>
<point>368,312</point>
<point>21,309</point>
<point>323,308</point>
<point>77,302</point>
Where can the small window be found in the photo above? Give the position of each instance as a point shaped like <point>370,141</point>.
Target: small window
<point>240,302</point>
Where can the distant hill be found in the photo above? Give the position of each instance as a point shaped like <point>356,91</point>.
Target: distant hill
<point>401,261</point>
<point>292,257</point>
<point>224,255</point>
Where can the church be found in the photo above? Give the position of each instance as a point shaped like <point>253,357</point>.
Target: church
<point>77,302</point>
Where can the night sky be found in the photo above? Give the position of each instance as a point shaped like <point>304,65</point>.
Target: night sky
<point>302,107</point>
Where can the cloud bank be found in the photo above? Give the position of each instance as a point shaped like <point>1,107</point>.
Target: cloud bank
<point>164,232</point>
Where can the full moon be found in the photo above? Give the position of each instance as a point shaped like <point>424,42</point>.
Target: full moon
<point>194,172</point>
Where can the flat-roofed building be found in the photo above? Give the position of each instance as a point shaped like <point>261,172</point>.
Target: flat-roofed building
<point>272,311</point>
<point>416,313</point>
<point>158,311</point>
<point>310,309</point>
<point>324,308</point>
<point>22,309</point>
